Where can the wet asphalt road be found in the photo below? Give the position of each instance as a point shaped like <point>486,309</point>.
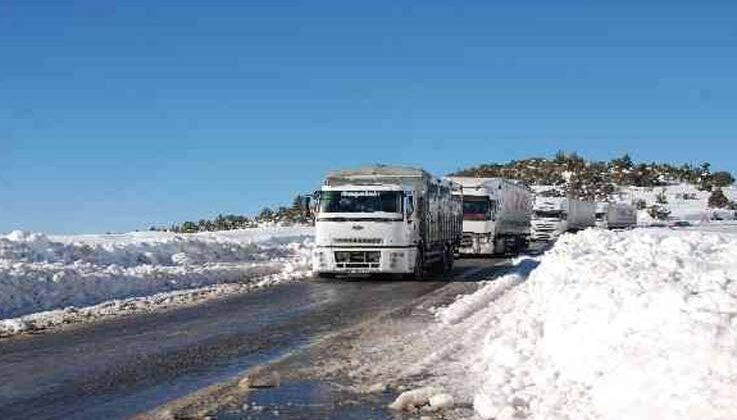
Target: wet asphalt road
<point>119,368</point>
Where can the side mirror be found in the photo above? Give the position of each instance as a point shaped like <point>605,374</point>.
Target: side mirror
<point>409,206</point>
<point>314,203</point>
<point>308,204</point>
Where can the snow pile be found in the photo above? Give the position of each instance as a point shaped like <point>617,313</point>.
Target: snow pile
<point>634,325</point>
<point>40,273</point>
<point>423,399</point>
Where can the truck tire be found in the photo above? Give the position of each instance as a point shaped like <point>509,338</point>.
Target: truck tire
<point>449,260</point>
<point>500,248</point>
<point>445,263</point>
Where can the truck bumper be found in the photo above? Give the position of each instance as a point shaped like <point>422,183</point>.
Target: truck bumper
<point>350,261</point>
<point>544,236</point>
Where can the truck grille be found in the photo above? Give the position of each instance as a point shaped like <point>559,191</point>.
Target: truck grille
<point>467,240</point>
<point>542,236</point>
<point>358,259</point>
<point>371,241</point>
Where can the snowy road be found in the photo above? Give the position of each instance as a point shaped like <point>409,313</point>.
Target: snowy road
<point>123,367</point>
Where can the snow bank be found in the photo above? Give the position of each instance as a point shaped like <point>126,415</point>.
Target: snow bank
<point>634,325</point>
<point>41,273</point>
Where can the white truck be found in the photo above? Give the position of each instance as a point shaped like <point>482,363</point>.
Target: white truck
<point>621,216</point>
<point>496,216</point>
<point>385,220</point>
<point>602,209</point>
<point>553,216</point>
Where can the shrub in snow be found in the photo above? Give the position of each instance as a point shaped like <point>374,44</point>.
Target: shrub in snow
<point>717,199</point>
<point>659,212</point>
<point>722,179</point>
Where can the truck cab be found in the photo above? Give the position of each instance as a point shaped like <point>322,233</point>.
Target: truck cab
<point>496,216</point>
<point>549,221</point>
<point>479,222</point>
<point>363,229</point>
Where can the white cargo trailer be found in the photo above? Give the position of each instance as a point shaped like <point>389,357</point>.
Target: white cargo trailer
<point>581,215</point>
<point>553,216</point>
<point>384,219</point>
<point>496,216</point>
<point>621,216</point>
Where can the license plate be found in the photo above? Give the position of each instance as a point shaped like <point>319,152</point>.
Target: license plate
<point>359,271</point>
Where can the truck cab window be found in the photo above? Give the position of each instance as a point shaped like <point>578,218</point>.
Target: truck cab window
<point>476,208</point>
<point>549,214</point>
<point>361,201</point>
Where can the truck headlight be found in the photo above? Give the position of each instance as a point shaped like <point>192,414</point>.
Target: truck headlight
<point>320,258</point>
<point>395,257</point>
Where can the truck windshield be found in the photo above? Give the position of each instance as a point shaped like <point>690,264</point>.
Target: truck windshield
<point>548,214</point>
<point>476,208</point>
<point>361,201</point>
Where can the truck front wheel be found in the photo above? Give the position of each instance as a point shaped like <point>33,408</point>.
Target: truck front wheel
<point>446,262</point>
<point>449,259</point>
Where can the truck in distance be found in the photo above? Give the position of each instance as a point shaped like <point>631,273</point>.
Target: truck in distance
<point>553,216</point>
<point>496,216</point>
<point>385,220</point>
<point>602,207</point>
<point>621,216</point>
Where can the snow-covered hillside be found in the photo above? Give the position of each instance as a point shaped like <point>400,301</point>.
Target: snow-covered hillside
<point>610,325</point>
<point>685,201</point>
<point>41,273</point>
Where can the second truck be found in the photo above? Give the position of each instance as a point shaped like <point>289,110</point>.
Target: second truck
<point>496,216</point>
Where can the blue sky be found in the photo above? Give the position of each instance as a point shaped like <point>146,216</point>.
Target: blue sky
<point>118,115</point>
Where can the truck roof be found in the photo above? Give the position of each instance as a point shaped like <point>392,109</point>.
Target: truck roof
<point>469,183</point>
<point>549,203</point>
<point>380,170</point>
<point>379,174</point>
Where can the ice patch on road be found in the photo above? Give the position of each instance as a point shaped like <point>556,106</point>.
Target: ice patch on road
<point>48,274</point>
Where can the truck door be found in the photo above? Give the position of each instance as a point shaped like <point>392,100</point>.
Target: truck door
<point>423,214</point>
